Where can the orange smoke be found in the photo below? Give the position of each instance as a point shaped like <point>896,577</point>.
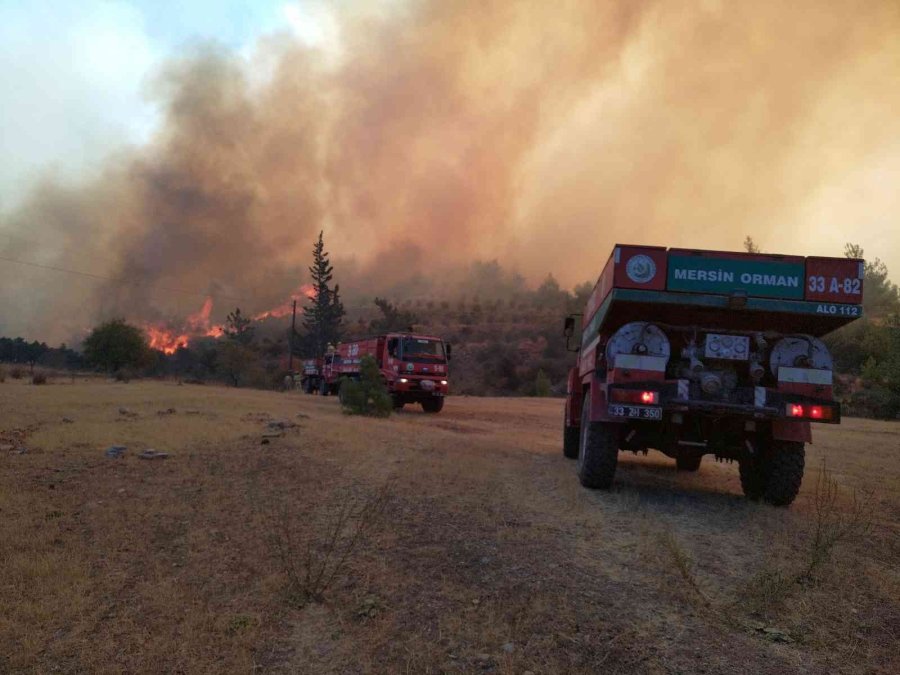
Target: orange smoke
<point>535,133</point>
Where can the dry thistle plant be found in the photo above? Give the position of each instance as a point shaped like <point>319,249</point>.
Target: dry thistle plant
<point>684,565</point>
<point>834,522</point>
<point>313,550</point>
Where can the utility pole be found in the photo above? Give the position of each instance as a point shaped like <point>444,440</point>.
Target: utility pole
<point>291,338</point>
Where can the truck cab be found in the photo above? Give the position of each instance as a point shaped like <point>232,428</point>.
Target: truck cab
<point>415,367</point>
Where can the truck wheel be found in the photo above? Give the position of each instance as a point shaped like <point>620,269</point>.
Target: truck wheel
<point>688,462</point>
<point>784,472</point>
<point>323,387</point>
<point>598,451</point>
<point>571,437</point>
<point>398,403</point>
<point>433,405</point>
<point>752,479</point>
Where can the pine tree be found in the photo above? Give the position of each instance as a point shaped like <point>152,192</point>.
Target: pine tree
<point>750,245</point>
<point>239,327</point>
<point>325,313</point>
<point>392,318</point>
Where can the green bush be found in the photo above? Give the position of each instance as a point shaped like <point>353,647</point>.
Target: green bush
<point>876,401</point>
<point>116,344</point>
<point>541,384</point>
<point>367,395</point>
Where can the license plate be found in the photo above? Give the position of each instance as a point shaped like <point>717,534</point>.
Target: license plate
<point>635,412</point>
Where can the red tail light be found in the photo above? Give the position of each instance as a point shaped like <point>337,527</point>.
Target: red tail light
<point>635,396</point>
<point>813,412</point>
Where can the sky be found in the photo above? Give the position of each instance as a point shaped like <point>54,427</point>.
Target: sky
<point>77,74</point>
<point>203,146</point>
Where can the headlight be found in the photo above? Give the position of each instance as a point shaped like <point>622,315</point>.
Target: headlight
<point>444,382</point>
<point>403,380</point>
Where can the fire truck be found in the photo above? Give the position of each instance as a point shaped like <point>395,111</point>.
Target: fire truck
<point>696,353</point>
<point>415,367</point>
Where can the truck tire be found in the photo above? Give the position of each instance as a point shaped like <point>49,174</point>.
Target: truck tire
<point>433,405</point>
<point>688,462</point>
<point>598,451</point>
<point>752,479</point>
<point>571,438</point>
<point>775,476</point>
<point>783,471</point>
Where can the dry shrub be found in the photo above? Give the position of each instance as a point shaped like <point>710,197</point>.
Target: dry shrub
<point>684,565</point>
<point>16,373</point>
<point>125,375</point>
<point>838,520</point>
<point>39,378</point>
<point>314,549</point>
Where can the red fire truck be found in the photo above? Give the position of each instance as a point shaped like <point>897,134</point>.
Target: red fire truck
<point>415,367</point>
<point>705,352</point>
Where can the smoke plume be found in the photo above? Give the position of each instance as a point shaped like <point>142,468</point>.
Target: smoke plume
<point>440,133</point>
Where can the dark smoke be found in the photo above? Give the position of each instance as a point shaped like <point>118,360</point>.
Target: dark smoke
<point>535,133</point>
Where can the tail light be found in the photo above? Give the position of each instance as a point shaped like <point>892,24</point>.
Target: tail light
<point>813,412</point>
<point>635,396</point>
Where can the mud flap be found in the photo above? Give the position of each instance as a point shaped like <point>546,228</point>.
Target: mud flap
<point>573,399</point>
<point>792,430</point>
<point>599,407</point>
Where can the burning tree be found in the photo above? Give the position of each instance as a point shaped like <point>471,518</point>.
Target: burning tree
<point>324,315</point>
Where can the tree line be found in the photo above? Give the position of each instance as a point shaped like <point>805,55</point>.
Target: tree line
<point>507,337</point>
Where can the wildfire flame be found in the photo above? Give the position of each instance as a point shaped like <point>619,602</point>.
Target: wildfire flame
<point>168,339</point>
<point>164,340</point>
<point>305,291</point>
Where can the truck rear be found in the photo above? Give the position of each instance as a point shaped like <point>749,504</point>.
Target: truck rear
<point>415,368</point>
<point>699,353</point>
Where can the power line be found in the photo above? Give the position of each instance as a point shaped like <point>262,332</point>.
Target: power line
<point>120,280</point>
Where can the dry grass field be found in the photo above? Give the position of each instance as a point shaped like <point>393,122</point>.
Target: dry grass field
<point>460,542</point>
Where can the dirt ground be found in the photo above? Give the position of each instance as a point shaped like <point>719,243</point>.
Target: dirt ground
<point>458,542</point>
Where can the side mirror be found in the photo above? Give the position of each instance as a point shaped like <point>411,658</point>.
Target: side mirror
<point>449,349</point>
<point>569,326</point>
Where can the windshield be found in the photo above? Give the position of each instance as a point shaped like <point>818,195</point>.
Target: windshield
<point>422,350</point>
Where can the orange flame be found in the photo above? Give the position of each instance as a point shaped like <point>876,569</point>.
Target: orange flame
<point>303,292</point>
<point>168,340</point>
<point>199,322</point>
<point>164,340</point>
